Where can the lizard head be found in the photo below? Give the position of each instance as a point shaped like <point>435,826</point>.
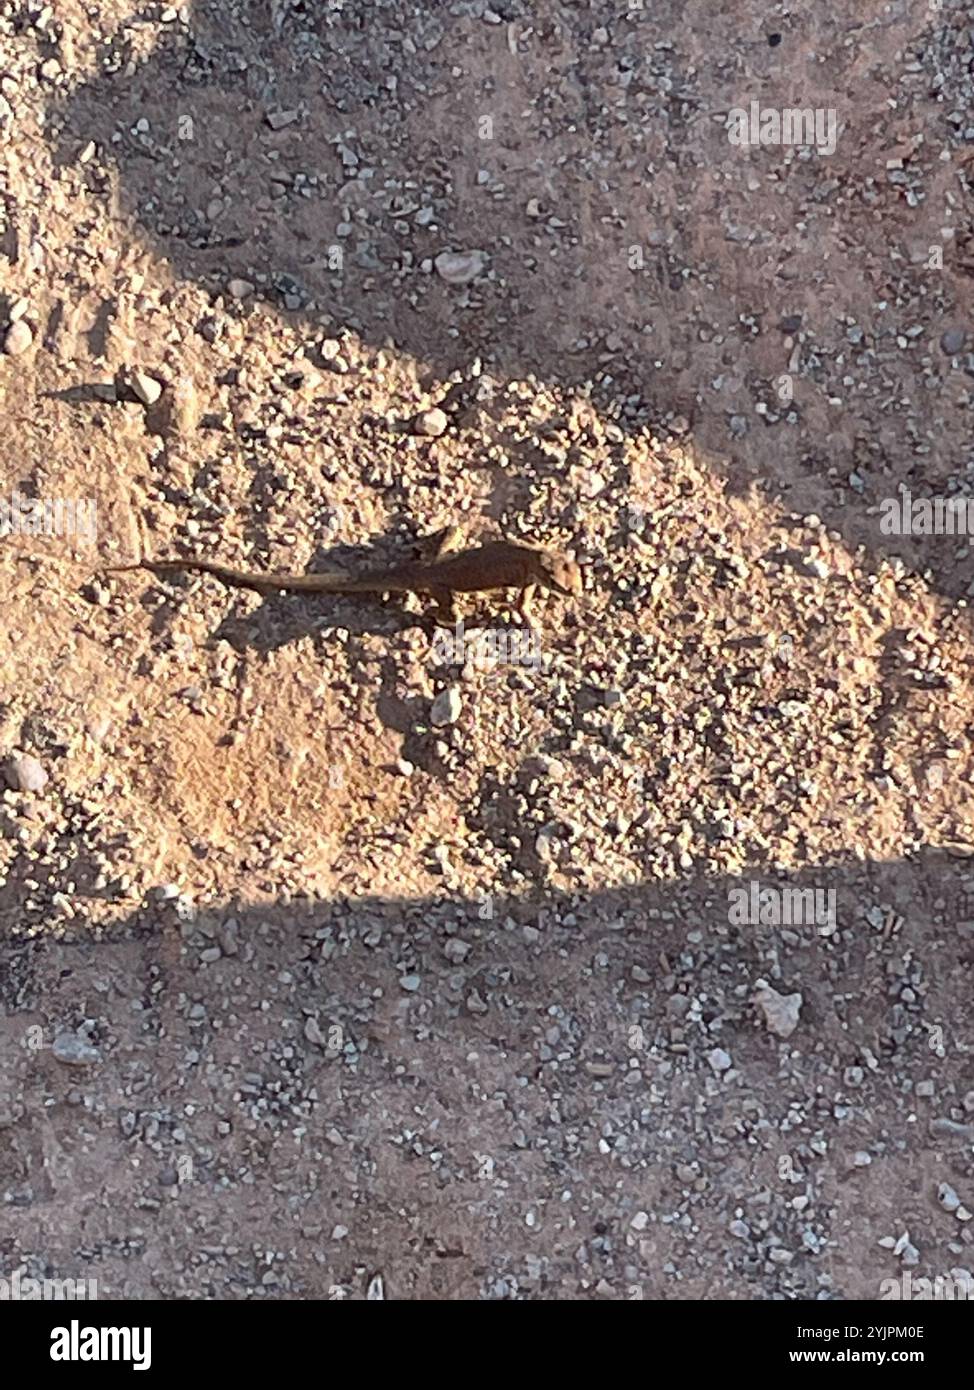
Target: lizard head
<point>560,573</point>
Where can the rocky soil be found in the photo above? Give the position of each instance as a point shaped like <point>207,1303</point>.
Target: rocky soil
<point>334,964</point>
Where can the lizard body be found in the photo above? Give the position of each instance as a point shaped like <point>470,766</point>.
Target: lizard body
<point>496,565</point>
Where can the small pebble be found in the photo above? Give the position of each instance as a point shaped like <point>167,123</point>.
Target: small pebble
<point>25,774</point>
<point>146,388</point>
<point>431,423</point>
<point>947,1197</point>
<point>18,338</point>
<point>459,267</point>
<point>781,1011</point>
<point>277,120</point>
<point>75,1051</point>
<point>446,707</point>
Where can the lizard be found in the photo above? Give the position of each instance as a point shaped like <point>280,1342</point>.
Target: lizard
<point>498,564</point>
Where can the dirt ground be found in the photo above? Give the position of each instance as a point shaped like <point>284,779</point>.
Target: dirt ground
<point>337,965</point>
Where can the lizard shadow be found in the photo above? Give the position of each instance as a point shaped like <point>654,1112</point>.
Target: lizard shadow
<point>284,619</point>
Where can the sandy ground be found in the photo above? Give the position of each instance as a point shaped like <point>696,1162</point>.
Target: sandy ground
<point>306,991</point>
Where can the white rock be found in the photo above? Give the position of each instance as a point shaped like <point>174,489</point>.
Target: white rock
<point>431,422</point>
<point>460,267</point>
<point>25,774</point>
<point>446,707</point>
<point>277,120</point>
<point>75,1051</point>
<point>146,388</point>
<point>18,338</point>
<point>781,1011</point>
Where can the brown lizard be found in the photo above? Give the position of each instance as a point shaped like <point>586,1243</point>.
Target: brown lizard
<point>496,565</point>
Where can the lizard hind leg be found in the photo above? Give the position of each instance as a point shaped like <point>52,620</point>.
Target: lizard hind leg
<point>525,603</point>
<point>445,607</point>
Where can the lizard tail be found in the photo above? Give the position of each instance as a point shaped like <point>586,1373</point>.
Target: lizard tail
<point>262,581</point>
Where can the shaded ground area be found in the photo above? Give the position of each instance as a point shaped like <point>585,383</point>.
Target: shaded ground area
<point>499,1099</point>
